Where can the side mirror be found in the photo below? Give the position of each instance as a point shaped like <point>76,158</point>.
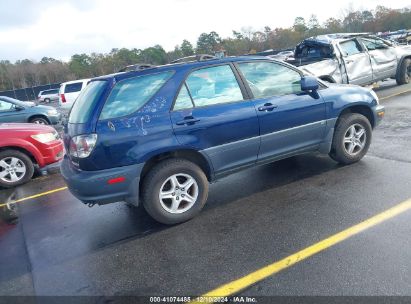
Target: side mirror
<point>18,108</point>
<point>309,83</point>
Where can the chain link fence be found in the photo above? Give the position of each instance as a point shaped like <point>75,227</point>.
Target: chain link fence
<point>29,94</point>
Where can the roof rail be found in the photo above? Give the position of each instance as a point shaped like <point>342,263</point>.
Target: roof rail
<point>200,57</point>
<point>137,67</point>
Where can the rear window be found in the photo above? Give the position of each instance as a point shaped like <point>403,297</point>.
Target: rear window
<point>314,51</point>
<point>131,94</point>
<point>73,87</point>
<point>86,102</point>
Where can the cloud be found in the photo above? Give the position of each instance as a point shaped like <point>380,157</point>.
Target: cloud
<point>19,13</point>
<point>36,28</point>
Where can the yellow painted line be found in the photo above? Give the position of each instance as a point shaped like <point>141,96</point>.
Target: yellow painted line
<point>34,196</point>
<point>396,94</point>
<point>234,287</point>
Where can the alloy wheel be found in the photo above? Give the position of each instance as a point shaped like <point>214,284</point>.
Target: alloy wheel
<point>178,193</point>
<point>12,169</point>
<point>355,139</point>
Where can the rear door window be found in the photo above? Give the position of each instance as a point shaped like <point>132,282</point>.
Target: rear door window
<point>131,94</point>
<point>73,87</point>
<point>374,44</point>
<point>183,100</point>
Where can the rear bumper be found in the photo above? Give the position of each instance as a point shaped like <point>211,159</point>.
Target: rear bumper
<point>93,187</point>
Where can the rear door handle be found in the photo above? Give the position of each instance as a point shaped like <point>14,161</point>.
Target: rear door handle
<point>187,121</point>
<point>267,107</point>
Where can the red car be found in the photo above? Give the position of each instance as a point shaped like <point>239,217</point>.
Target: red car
<point>24,146</point>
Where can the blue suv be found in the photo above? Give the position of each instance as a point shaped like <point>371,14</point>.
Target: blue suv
<point>160,135</point>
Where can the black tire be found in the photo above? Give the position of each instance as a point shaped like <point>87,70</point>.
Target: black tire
<point>5,156</point>
<point>157,179</point>
<point>404,72</point>
<point>340,149</point>
<point>39,120</point>
<point>47,100</point>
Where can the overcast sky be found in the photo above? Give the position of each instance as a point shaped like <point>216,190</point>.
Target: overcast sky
<point>60,28</point>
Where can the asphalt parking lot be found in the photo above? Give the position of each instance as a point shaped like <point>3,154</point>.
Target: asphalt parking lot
<point>252,220</point>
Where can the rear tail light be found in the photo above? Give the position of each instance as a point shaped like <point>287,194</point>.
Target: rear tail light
<point>63,98</point>
<point>82,145</point>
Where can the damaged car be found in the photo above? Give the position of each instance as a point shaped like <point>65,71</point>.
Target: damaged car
<point>360,59</point>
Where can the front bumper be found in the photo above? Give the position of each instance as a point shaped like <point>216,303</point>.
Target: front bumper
<point>51,153</point>
<point>93,187</point>
<point>379,112</point>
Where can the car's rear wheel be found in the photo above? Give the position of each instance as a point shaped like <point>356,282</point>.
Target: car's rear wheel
<point>404,73</point>
<point>352,138</point>
<point>174,191</point>
<point>16,168</point>
<point>39,121</point>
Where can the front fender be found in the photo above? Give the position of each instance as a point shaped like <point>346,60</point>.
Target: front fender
<point>340,97</point>
<point>25,145</point>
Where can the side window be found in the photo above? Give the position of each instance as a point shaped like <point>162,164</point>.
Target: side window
<point>73,87</point>
<point>213,85</point>
<point>131,94</point>
<point>374,44</point>
<point>183,100</point>
<point>268,79</point>
<point>350,47</point>
<point>5,106</point>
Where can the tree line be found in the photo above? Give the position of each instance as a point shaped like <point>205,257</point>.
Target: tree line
<point>28,73</point>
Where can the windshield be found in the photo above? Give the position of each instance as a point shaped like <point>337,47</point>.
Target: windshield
<point>86,102</point>
<point>15,101</point>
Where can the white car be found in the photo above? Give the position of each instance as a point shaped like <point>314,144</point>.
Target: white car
<point>69,91</point>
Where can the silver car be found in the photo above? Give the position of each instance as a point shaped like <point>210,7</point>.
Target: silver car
<point>48,95</point>
<point>360,59</point>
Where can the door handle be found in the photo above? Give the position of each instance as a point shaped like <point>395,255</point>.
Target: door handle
<point>267,107</point>
<point>349,61</point>
<point>187,121</point>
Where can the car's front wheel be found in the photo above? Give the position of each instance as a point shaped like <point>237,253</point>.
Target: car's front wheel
<point>174,191</point>
<point>39,121</point>
<point>16,168</point>
<point>404,73</point>
<point>352,138</point>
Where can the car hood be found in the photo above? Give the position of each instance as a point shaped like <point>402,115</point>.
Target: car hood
<point>45,108</point>
<point>29,104</point>
<point>25,127</point>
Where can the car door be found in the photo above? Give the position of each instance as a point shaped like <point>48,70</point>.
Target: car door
<point>357,62</point>
<point>382,56</point>
<point>10,113</point>
<point>212,115</point>
<point>290,120</point>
